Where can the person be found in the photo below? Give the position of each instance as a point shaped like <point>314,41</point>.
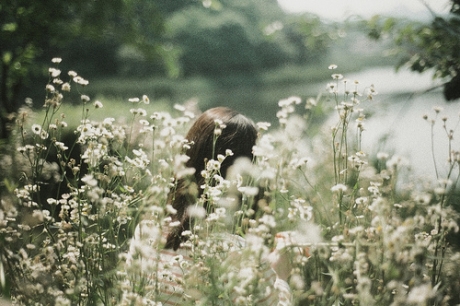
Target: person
<point>213,133</point>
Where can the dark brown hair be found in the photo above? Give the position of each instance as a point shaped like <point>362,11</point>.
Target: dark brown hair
<point>239,135</point>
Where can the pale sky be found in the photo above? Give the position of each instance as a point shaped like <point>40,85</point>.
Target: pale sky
<point>338,10</point>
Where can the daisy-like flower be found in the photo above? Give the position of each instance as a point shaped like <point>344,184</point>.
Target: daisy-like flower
<point>196,212</point>
<point>65,87</point>
<point>396,161</point>
<point>138,111</point>
<point>179,107</point>
<point>50,88</point>
<point>89,180</point>
<point>21,150</point>
<point>284,102</point>
<point>37,129</point>
<point>84,98</point>
<point>217,131</point>
<point>44,134</point>
<point>361,201</point>
<point>374,190</point>
<point>337,76</point>
<point>98,104</point>
<point>108,121</point>
<point>51,201</point>
<point>213,165</point>
<point>129,189</point>
<point>310,103</point>
<point>249,190</point>
<point>61,146</point>
<point>144,122</point>
<point>220,158</point>
<point>371,92</point>
<point>263,125</point>
<point>331,87</point>
<point>80,80</point>
<point>339,188</point>
<point>220,124</point>
<point>57,81</point>
<point>299,162</point>
<point>142,112</point>
<point>54,72</point>
<point>294,100</point>
<point>56,60</point>
<point>382,156</point>
<point>145,99</point>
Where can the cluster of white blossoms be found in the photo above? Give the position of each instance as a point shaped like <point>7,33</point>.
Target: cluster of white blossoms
<point>354,229</point>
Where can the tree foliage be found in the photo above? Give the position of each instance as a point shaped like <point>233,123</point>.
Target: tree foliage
<point>145,37</point>
<point>433,46</point>
<point>32,32</point>
<point>244,36</point>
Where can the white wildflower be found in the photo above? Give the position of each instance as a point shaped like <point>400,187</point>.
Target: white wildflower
<point>98,104</point>
<point>61,146</point>
<point>79,80</point>
<point>421,294</point>
<point>36,129</point>
<point>195,211</point>
<point>44,134</point>
<point>263,125</point>
<point>382,156</point>
<point>84,98</point>
<point>337,76</point>
<point>249,191</point>
<point>339,188</point>
<point>50,88</point>
<point>65,87</point>
<point>54,72</point>
<point>89,180</point>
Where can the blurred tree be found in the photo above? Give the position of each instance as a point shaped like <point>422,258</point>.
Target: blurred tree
<point>236,36</point>
<point>213,41</point>
<point>88,31</point>
<point>434,46</point>
<point>310,36</point>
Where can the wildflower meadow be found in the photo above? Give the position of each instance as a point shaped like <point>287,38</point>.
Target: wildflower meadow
<point>357,227</point>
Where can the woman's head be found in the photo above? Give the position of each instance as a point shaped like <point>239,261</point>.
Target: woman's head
<point>235,132</point>
<point>238,134</point>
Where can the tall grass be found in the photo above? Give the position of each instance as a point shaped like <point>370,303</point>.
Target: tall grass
<point>359,232</point>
